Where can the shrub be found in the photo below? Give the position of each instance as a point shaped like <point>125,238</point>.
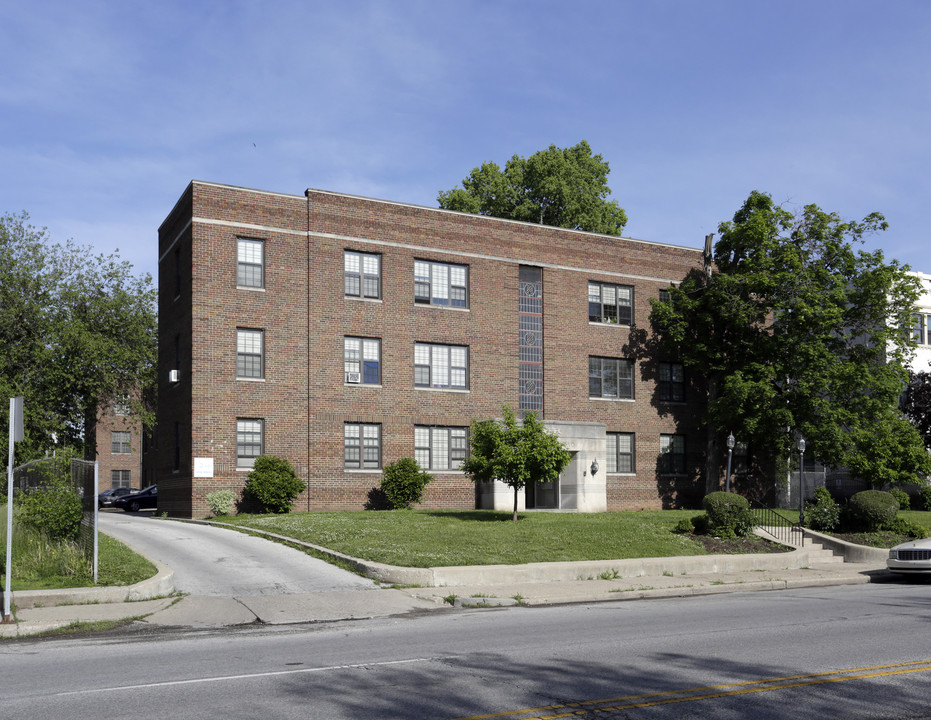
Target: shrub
<point>683,527</point>
<point>403,483</point>
<point>872,510</point>
<point>220,502</point>
<point>901,526</point>
<point>824,514</point>
<point>273,484</point>
<point>53,508</point>
<point>925,495</point>
<point>729,514</point>
<point>902,497</point>
<point>700,523</point>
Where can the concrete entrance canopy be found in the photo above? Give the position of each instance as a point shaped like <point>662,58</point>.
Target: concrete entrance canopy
<point>578,487</point>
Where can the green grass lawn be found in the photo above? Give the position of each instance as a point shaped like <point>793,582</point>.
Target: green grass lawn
<point>432,538</point>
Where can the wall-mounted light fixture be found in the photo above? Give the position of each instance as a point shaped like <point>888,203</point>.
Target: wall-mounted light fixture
<point>594,466</point>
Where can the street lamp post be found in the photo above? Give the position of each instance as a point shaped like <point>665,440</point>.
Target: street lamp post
<point>730,453</point>
<point>801,481</point>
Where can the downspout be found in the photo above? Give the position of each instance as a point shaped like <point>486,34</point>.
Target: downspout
<point>307,356</point>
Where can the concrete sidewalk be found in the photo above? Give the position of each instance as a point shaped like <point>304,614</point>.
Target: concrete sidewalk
<point>151,603</point>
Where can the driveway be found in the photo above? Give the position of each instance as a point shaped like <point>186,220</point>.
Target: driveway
<point>211,561</point>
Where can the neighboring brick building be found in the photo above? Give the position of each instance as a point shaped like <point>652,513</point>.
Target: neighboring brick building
<point>343,333</point>
<point>116,439</point>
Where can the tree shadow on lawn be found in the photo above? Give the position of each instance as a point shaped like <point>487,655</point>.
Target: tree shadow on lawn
<point>474,515</point>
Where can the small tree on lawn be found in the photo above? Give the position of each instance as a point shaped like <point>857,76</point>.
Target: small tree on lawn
<point>516,454</point>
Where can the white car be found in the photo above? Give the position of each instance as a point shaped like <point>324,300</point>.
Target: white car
<point>911,557</point>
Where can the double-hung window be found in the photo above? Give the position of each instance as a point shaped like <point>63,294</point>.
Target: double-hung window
<point>362,360</point>
<point>621,453</point>
<point>610,378</point>
<point>250,353</point>
<point>250,441</point>
<point>362,275</point>
<point>672,454</point>
<point>671,382</point>
<point>441,366</point>
<point>362,446</point>
<point>121,442</point>
<point>611,304</point>
<point>440,448</point>
<point>120,478</point>
<point>250,263</point>
<point>441,284</point>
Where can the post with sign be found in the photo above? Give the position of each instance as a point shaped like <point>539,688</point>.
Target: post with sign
<point>16,434</point>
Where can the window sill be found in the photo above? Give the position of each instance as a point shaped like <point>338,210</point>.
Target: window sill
<point>458,391</point>
<point>355,298</point>
<point>442,307</point>
<point>360,384</point>
<point>247,379</point>
<point>604,324</point>
<point>622,474</point>
<point>250,288</point>
<point>604,399</point>
<point>365,471</point>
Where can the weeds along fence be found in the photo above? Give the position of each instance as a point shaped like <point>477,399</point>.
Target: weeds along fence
<point>82,476</point>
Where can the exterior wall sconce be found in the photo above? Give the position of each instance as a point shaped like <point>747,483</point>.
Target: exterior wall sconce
<point>801,481</point>
<point>594,466</point>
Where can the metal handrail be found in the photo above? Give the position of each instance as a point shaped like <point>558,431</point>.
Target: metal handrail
<point>779,526</point>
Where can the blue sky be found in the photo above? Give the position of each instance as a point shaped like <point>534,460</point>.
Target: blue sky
<point>109,109</point>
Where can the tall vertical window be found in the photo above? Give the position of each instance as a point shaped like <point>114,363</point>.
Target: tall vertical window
<point>440,448</point>
<point>671,382</point>
<point>920,332</point>
<point>610,378</point>
<point>441,366</point>
<point>612,304</point>
<point>120,478</point>
<point>250,352</point>
<point>621,455</point>
<point>120,442</point>
<point>441,284</point>
<point>362,446</point>
<point>362,360</point>
<point>250,263</point>
<point>362,274</point>
<point>530,342</point>
<point>672,454</point>
<point>250,441</point>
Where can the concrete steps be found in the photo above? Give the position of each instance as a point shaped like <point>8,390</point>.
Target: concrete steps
<point>817,552</point>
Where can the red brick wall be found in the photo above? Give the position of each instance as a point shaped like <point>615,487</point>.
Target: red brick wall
<point>303,399</point>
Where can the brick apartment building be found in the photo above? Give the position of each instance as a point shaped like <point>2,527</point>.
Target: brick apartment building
<point>343,333</point>
<point>114,440</point>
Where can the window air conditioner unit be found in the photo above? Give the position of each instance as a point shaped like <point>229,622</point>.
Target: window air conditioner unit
<point>353,377</point>
<point>174,376</point>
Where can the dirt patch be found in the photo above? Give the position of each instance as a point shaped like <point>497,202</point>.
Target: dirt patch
<point>738,546</point>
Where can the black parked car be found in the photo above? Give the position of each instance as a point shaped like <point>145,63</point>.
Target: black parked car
<point>108,497</point>
<point>147,498</point>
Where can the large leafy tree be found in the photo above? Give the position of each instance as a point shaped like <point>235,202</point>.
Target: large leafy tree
<point>76,331</point>
<point>916,404</point>
<point>796,333</point>
<point>562,187</point>
<point>514,453</point>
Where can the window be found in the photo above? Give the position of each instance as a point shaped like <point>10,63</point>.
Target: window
<point>920,331</point>
<point>362,274</point>
<point>441,366</point>
<point>250,263</point>
<point>120,442</point>
<point>610,378</point>
<point>120,478</point>
<point>362,360</point>
<point>362,446</point>
<point>250,441</point>
<point>671,382</point>
<point>440,448</point>
<point>121,405</point>
<point>621,456</point>
<point>612,304</point>
<point>672,454</point>
<point>664,295</point>
<point>441,284</point>
<point>250,352</point>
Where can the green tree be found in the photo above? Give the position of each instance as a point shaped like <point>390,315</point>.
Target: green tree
<point>916,404</point>
<point>514,453</point>
<point>76,331</point>
<point>796,332</point>
<point>562,187</point>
